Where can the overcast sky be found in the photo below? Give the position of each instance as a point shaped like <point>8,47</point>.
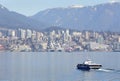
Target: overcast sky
<point>30,7</point>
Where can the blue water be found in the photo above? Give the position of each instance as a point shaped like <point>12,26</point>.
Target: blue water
<point>58,66</point>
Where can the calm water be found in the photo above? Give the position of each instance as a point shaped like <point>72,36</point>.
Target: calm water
<point>58,66</point>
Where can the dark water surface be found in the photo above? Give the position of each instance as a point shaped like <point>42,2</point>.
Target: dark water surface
<point>58,66</point>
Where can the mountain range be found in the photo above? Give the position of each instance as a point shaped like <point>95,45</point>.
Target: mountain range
<point>14,20</point>
<point>102,17</point>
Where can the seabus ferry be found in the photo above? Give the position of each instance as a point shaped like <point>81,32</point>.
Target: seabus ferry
<point>87,65</point>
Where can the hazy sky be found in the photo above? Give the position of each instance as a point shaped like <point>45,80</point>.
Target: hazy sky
<point>30,7</point>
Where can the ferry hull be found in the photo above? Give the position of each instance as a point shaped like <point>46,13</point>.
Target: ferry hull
<point>88,67</point>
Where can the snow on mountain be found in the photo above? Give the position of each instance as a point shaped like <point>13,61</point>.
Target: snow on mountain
<point>114,1</point>
<point>77,6</point>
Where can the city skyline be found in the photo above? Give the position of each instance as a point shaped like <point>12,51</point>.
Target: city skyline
<point>58,40</point>
<point>30,7</point>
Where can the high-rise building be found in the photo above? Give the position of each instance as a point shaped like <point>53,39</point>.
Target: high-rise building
<point>11,33</point>
<point>87,34</point>
<point>22,33</point>
<point>28,33</point>
<point>67,32</point>
<point>119,39</point>
<point>0,34</point>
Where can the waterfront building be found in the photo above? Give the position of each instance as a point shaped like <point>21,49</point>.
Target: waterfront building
<point>93,46</point>
<point>20,48</point>
<point>116,46</point>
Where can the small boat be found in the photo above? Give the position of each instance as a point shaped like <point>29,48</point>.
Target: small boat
<point>87,65</point>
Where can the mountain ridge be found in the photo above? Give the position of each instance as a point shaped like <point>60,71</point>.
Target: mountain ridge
<point>13,20</point>
<point>101,17</point>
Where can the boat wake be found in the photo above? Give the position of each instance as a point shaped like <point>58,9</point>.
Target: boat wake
<point>108,70</point>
